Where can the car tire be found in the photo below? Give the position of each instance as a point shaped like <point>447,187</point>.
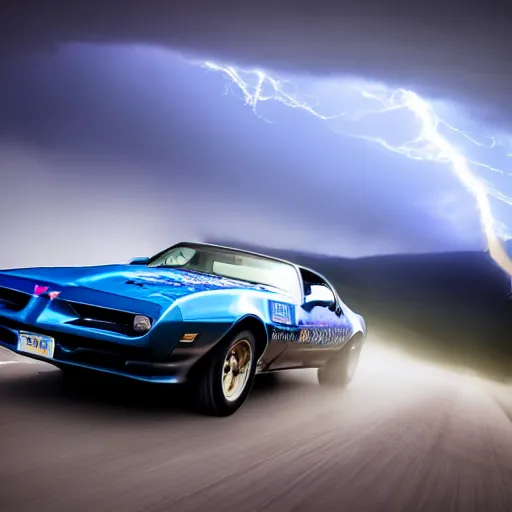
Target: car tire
<point>340,370</point>
<point>225,378</point>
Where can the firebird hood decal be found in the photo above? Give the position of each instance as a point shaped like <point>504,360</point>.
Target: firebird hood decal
<point>161,285</point>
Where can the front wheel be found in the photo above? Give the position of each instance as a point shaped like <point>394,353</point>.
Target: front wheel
<point>340,370</point>
<point>226,378</point>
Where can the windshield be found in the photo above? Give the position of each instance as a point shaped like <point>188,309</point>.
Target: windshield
<point>232,264</point>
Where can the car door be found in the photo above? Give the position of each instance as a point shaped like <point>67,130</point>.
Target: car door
<point>324,328</point>
<point>283,331</point>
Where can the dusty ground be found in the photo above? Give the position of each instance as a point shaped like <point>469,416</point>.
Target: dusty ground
<point>405,436</point>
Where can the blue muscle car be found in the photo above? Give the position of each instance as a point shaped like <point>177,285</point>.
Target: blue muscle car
<point>200,314</point>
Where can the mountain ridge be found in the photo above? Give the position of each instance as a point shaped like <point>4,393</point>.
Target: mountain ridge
<point>457,303</point>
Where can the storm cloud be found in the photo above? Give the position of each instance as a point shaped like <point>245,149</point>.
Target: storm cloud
<point>108,134</point>
<point>458,50</point>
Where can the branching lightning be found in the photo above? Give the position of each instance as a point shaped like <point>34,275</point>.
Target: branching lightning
<point>258,87</point>
<point>254,95</point>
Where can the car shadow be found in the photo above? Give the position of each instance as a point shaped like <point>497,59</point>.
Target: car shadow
<point>96,393</point>
<point>52,388</point>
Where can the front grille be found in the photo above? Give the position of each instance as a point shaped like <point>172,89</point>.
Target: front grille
<point>13,299</point>
<point>102,314</point>
<point>104,326</point>
<point>105,319</point>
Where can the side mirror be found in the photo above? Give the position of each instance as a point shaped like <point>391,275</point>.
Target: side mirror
<point>139,261</point>
<point>319,296</point>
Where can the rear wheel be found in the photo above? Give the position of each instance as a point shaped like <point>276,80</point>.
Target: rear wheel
<point>226,377</point>
<point>340,370</point>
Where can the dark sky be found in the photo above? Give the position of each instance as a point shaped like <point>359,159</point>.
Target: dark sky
<point>113,143</point>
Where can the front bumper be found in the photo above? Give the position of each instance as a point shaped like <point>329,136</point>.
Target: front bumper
<point>112,358</point>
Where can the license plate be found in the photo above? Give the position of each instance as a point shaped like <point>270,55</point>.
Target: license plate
<point>36,344</point>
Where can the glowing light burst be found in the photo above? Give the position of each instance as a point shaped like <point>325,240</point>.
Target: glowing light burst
<point>430,144</point>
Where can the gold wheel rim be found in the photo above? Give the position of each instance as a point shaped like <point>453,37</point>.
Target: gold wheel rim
<point>236,370</point>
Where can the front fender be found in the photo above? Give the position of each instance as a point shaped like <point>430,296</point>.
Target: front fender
<point>212,314</point>
<point>194,324</point>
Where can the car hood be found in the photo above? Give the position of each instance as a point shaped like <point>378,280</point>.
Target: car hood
<point>155,284</point>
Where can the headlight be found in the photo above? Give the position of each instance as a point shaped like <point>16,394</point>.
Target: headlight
<point>141,324</point>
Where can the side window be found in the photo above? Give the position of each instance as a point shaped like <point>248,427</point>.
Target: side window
<point>320,292</point>
<point>316,289</point>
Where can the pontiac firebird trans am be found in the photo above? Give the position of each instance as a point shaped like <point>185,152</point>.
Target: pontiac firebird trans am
<point>201,314</point>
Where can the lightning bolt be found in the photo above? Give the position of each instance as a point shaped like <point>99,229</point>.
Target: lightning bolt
<point>430,144</point>
<point>254,95</point>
